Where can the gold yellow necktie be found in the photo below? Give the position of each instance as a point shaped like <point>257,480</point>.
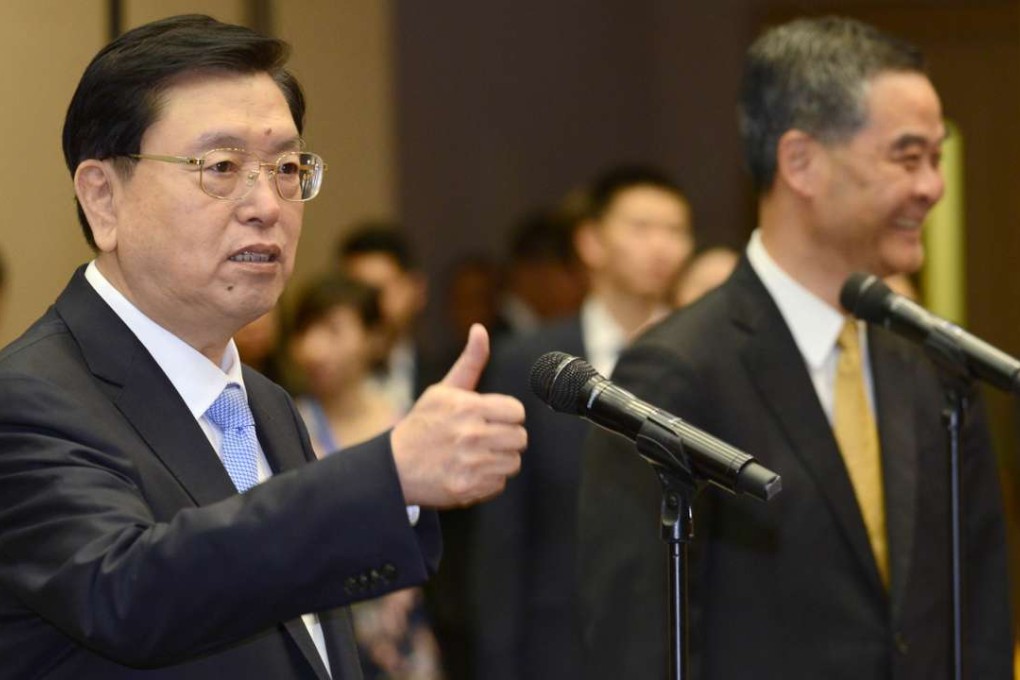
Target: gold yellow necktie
<point>857,436</point>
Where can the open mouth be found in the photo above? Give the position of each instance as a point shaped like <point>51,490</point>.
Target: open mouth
<point>907,223</point>
<point>256,255</point>
<point>248,256</point>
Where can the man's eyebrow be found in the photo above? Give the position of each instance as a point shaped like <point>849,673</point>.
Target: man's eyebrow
<point>292,144</point>
<point>909,140</point>
<point>218,140</point>
<point>222,140</point>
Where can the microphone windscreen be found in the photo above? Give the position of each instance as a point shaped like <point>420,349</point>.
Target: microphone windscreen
<point>557,379</point>
<point>865,296</point>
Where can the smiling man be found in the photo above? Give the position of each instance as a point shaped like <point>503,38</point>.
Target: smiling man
<point>162,515</point>
<point>846,573</point>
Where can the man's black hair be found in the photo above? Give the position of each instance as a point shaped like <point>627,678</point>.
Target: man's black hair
<point>119,95</point>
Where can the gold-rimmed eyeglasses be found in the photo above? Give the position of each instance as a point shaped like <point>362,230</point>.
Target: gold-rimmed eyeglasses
<point>230,174</point>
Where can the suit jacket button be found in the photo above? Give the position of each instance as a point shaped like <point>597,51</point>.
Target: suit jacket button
<point>350,585</point>
<point>389,572</point>
<point>376,577</point>
<point>363,582</point>
<point>902,646</point>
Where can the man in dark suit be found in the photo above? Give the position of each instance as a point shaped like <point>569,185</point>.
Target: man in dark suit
<point>378,254</point>
<point>128,425</point>
<point>632,244</point>
<point>842,132</point>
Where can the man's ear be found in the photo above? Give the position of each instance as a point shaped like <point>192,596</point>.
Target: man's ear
<point>95,184</point>
<point>798,161</point>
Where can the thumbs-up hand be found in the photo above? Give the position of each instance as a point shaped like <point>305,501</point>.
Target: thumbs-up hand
<point>456,447</point>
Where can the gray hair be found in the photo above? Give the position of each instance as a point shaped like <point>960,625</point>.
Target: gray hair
<point>811,75</point>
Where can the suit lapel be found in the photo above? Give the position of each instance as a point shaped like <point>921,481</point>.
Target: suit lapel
<point>148,400</point>
<point>281,442</point>
<point>777,369</point>
<point>891,371</point>
<point>143,393</point>
<point>274,423</point>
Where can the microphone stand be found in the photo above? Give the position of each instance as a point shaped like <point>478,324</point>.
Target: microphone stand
<point>677,528</point>
<point>957,386</point>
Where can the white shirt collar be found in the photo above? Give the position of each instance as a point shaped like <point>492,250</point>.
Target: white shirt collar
<point>198,380</point>
<point>814,324</point>
<point>604,339</point>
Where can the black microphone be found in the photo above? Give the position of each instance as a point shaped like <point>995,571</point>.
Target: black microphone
<point>570,385</point>
<point>868,297</point>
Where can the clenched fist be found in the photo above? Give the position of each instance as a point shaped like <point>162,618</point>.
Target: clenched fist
<point>456,447</point>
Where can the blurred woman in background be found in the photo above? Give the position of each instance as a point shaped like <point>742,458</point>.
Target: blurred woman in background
<point>337,332</point>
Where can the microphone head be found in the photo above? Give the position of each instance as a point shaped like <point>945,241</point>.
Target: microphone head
<point>558,379</point>
<point>865,296</point>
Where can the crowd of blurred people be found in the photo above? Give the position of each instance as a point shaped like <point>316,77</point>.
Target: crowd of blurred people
<point>600,265</point>
<point>583,276</point>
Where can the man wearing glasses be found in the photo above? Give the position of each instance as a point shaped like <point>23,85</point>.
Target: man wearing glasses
<point>154,521</point>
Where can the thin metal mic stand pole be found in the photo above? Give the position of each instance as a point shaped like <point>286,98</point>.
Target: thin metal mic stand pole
<point>957,384</point>
<point>952,417</point>
<point>677,528</point>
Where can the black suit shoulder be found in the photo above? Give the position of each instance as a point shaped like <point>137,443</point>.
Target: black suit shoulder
<point>524,540</point>
<point>126,546</point>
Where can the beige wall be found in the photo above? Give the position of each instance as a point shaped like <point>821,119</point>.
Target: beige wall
<point>138,12</point>
<point>341,55</point>
<point>44,46</point>
<point>343,58</point>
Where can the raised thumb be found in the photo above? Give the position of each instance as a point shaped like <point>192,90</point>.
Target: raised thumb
<point>468,368</point>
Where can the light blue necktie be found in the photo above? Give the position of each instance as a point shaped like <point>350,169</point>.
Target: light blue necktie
<point>240,448</point>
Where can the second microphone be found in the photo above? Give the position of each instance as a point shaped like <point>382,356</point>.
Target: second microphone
<point>570,385</point>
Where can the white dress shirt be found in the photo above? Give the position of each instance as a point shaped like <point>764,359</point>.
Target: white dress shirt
<point>603,338</point>
<point>197,379</point>
<point>399,377</point>
<point>814,324</point>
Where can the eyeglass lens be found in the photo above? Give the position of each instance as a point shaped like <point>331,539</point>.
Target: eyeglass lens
<point>231,174</point>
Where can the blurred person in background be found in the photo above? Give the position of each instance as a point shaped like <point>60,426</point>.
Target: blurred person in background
<point>337,330</point>
<point>633,241</point>
<point>472,296</point>
<point>544,279</point>
<point>705,271</point>
<point>378,254</point>
<point>259,345</point>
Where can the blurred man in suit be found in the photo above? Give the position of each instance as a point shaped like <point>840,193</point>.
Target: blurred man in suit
<point>378,254</point>
<point>162,516</point>
<point>846,573</point>
<point>632,243</point>
<point>544,281</point>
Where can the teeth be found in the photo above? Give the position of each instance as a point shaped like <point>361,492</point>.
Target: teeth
<point>248,256</point>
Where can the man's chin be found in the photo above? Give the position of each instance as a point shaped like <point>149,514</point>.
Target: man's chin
<point>905,260</point>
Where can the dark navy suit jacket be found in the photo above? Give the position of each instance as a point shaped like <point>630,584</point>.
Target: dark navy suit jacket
<point>125,550</point>
<point>789,589</point>
<point>525,540</point>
